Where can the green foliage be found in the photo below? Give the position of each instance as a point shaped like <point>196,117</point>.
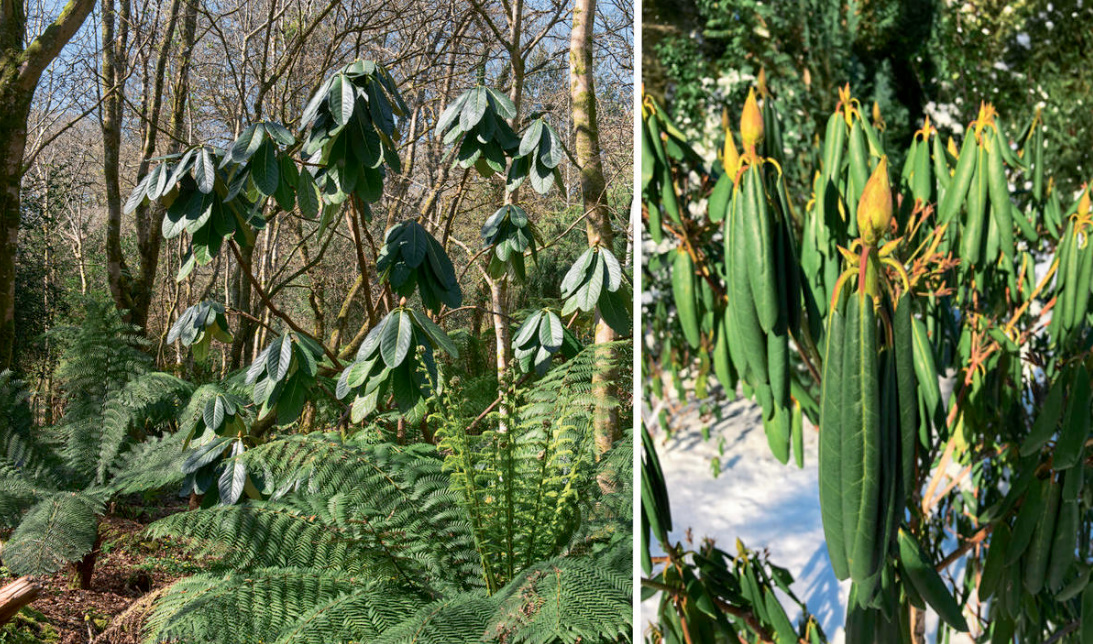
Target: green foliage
<point>523,482</point>
<point>410,258</point>
<point>510,234</point>
<point>596,281</point>
<point>55,481</point>
<point>198,326</point>
<point>379,542</point>
<point>540,152</point>
<point>282,374</point>
<point>476,124</point>
<point>58,529</point>
<point>710,595</point>
<point>539,337</point>
<point>352,134</point>
<point>388,359</point>
<point>205,193</point>
<point>885,292</point>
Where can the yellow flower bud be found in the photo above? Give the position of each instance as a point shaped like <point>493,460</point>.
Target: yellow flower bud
<point>875,206</point>
<point>751,122</point>
<point>730,158</point>
<point>1083,203</point>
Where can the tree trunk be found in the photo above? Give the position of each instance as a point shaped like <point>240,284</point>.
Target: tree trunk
<point>113,90</point>
<point>14,596</point>
<point>593,194</point>
<point>20,70</point>
<point>14,109</point>
<point>499,288</point>
<point>85,568</point>
<point>134,296</point>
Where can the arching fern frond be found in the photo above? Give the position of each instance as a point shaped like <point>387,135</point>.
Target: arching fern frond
<point>25,450</point>
<point>152,399</point>
<point>56,530</point>
<point>565,600</point>
<point>154,464</point>
<point>251,606</point>
<point>459,619</point>
<point>402,501</point>
<point>360,616</point>
<point>299,531</point>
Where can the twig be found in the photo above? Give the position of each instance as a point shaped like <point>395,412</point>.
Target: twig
<point>273,308</point>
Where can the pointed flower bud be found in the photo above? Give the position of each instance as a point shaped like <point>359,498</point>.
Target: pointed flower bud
<point>751,122</point>
<point>875,206</point>
<point>730,158</point>
<point>1083,203</point>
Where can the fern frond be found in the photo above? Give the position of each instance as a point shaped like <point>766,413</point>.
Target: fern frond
<point>300,531</point>
<point>360,616</point>
<point>402,500</point>
<point>153,464</point>
<point>58,529</point>
<point>149,399</point>
<point>565,600</point>
<point>523,487</point>
<point>25,450</point>
<point>248,606</point>
<point>459,619</point>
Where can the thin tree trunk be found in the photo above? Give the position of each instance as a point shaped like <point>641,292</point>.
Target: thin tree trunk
<point>593,195</point>
<point>113,90</point>
<point>134,296</point>
<point>499,288</point>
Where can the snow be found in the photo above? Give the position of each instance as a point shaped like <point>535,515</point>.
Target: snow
<point>757,499</point>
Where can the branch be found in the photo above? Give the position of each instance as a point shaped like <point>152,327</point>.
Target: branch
<point>41,52</point>
<point>273,308</point>
<point>975,539</point>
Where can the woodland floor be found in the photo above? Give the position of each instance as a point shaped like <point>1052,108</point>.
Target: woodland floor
<point>129,566</point>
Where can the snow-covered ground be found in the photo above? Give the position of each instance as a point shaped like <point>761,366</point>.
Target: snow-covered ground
<point>757,499</point>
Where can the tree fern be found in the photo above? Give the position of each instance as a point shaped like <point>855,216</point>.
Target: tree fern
<point>150,399</point>
<point>394,524</point>
<point>385,543</point>
<point>25,451</point>
<point>154,464</point>
<point>523,487</point>
<point>54,481</point>
<point>567,599</point>
<point>381,508</point>
<point>365,613</point>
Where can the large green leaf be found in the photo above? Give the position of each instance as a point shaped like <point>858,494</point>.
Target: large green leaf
<point>397,338</point>
<point>264,170</point>
<point>341,99</point>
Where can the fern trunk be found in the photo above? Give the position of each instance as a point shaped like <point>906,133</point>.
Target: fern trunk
<point>85,568</point>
